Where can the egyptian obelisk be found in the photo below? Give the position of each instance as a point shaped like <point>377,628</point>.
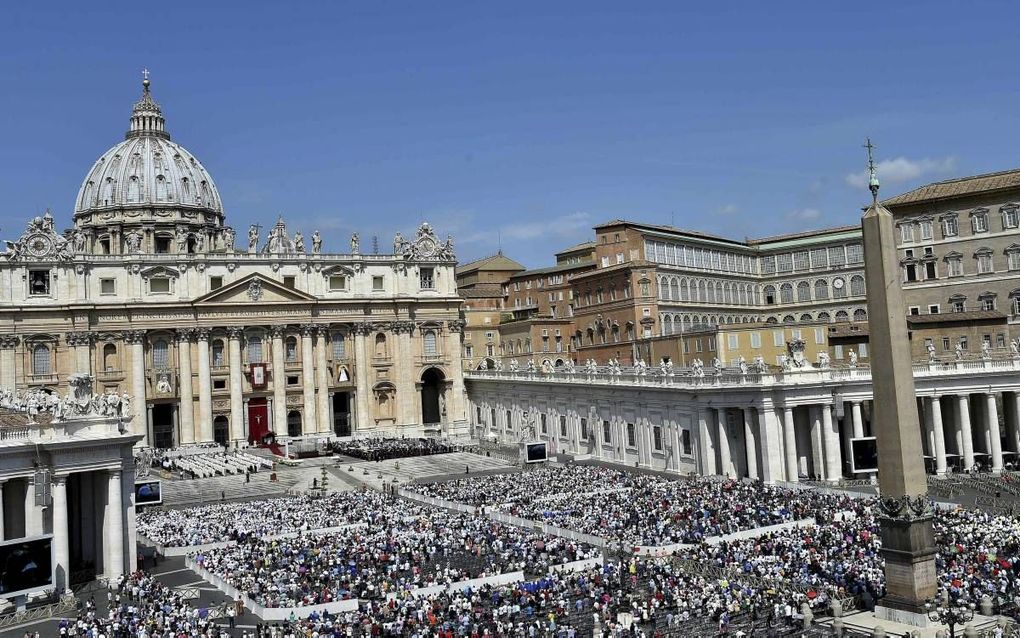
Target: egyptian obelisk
<point>908,543</point>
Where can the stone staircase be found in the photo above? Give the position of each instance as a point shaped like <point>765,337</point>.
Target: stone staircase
<point>183,493</point>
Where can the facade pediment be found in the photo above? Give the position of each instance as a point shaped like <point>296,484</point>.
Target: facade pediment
<point>254,289</point>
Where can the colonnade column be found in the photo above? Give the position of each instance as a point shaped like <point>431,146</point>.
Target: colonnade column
<point>1011,406</point>
<point>113,529</point>
<point>205,427</point>
<point>307,379</point>
<point>455,404</point>
<point>406,413</point>
<point>707,449</point>
<point>234,334</point>
<point>750,445</point>
<point>2,530</point>
<point>963,426</point>
<point>940,435</point>
<point>33,513</point>
<point>139,417</point>
<point>770,440</point>
<point>8,366</point>
<point>830,440</point>
<point>279,364</point>
<point>856,419</point>
<point>187,410</point>
<point>363,419</point>
<point>790,443</point>
<point>725,458</point>
<point>61,540</point>
<point>992,432</point>
<point>322,381</point>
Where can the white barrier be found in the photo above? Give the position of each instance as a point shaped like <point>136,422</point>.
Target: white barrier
<point>194,549</point>
<point>436,502</point>
<point>575,566</point>
<point>758,531</point>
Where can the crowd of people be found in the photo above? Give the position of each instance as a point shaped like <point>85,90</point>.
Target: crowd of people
<point>237,521</point>
<point>631,508</point>
<point>382,449</point>
<point>400,549</point>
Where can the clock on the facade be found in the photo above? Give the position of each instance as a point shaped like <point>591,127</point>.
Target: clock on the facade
<point>837,283</point>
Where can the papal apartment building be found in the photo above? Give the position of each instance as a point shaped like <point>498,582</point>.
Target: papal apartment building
<point>225,338</point>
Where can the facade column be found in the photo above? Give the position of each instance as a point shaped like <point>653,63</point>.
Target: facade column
<point>363,420</point>
<point>817,453</point>
<point>830,441</point>
<point>139,417</point>
<point>750,445</point>
<point>858,420</point>
<point>8,365</point>
<point>187,391</point>
<point>725,456</point>
<point>992,432</point>
<point>966,435</point>
<point>406,404</point>
<point>204,386</point>
<point>927,421</point>
<point>790,439</point>
<point>113,529</point>
<point>279,363</point>
<point>234,334</point>
<point>307,379</point>
<point>127,495</point>
<point>770,440</point>
<point>81,343</point>
<point>322,381</point>
<point>940,435</point>
<point>455,404</point>
<point>61,539</point>
<point>33,513</point>
<point>1011,408</point>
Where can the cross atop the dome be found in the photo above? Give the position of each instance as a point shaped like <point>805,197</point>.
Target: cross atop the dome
<point>145,79</point>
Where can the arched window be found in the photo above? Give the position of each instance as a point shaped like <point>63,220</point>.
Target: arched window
<point>805,318</point>
<point>803,291</point>
<point>109,357</point>
<point>160,355</point>
<point>134,189</point>
<point>339,346</point>
<point>674,287</point>
<point>842,316</point>
<point>255,349</point>
<point>667,325</point>
<point>41,361</point>
<point>718,293</point>
<point>821,289</point>
<point>786,293</point>
<point>217,353</point>
<point>771,320</point>
<point>789,319</point>
<point>429,342</point>
<point>770,295</point>
<point>860,314</point>
<point>380,345</point>
<point>684,291</point>
<point>857,285</point>
<point>702,291</point>
<point>290,349</point>
<point>185,189</point>
<point>664,289</point>
<point>162,193</point>
<point>824,316</point>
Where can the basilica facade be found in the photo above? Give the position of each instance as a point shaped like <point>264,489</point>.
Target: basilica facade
<point>224,338</point>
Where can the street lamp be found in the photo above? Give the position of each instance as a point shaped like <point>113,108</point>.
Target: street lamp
<point>950,612</point>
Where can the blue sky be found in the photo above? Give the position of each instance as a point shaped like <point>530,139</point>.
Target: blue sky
<point>538,120</point>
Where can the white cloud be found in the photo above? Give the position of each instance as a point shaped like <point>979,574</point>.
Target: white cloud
<point>901,169</point>
<point>804,215</point>
<point>569,225</point>
<point>727,209</point>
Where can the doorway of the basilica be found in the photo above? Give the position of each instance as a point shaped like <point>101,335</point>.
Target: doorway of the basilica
<point>432,407</point>
<point>342,413</point>
<point>258,419</point>
<point>221,430</point>
<point>163,425</point>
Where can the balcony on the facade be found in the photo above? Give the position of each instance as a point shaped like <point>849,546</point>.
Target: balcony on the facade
<point>42,379</point>
<point>110,374</point>
<point>433,358</point>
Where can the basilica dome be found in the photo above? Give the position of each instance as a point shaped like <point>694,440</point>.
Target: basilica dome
<point>148,171</point>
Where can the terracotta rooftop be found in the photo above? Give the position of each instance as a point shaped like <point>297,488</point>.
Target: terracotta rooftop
<point>583,245</point>
<point>957,317</point>
<point>482,291</point>
<point>806,233</point>
<point>958,187</point>
<point>499,261</point>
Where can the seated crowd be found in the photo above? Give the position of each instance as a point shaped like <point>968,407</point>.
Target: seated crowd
<point>634,509</point>
<point>395,552</point>
<point>236,521</point>
<point>381,449</point>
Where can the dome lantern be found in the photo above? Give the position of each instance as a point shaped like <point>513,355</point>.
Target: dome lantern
<point>147,117</point>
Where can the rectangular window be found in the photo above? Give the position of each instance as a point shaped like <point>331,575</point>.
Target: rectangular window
<point>979,223</point>
<point>950,227</point>
<point>945,343</point>
<point>985,264</point>
<point>855,254</point>
<point>584,429</point>
<point>1000,340</point>
<point>219,384</point>
<point>862,349</point>
<point>819,336</point>
<point>778,338</point>
<point>838,351</point>
<point>784,262</point>
<point>926,230</point>
<point>837,256</point>
<point>293,379</point>
<point>697,345</point>
<point>963,343</point>
<point>657,437</point>
<point>337,282</point>
<point>733,341</point>
<point>800,260</point>
<point>1013,258</point>
<point>290,281</point>
<point>107,286</point>
<point>755,339</point>
<point>38,282</point>
<point>933,309</point>
<point>818,258</point>
<point>1009,218</point>
<point>377,283</point>
<point>906,233</point>
<point>563,427</point>
<point>685,442</point>
<point>544,425</point>
<point>631,435</point>
<point>955,267</point>
<point>914,310</point>
<point>427,277</point>
<point>159,285</point>
<point>768,265</point>
<point>607,432</point>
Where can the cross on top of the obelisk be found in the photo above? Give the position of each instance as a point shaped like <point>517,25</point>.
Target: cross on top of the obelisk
<point>872,171</point>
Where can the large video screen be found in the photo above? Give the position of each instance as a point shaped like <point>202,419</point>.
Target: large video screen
<point>149,493</point>
<point>26,565</point>
<point>536,453</point>
<point>864,455</point>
